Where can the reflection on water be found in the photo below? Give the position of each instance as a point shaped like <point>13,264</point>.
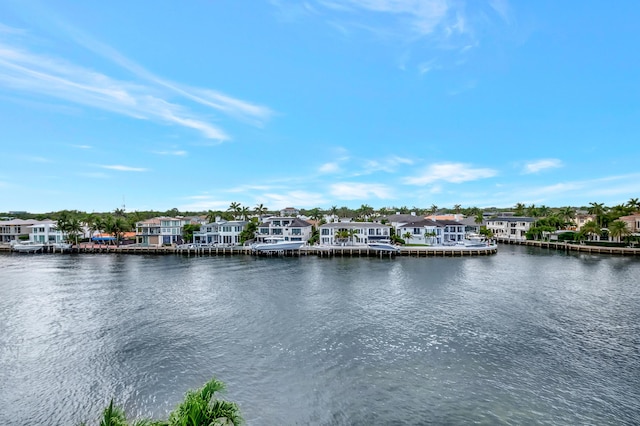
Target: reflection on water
<point>526,336</point>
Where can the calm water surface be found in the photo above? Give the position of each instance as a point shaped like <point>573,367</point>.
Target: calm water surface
<point>527,336</point>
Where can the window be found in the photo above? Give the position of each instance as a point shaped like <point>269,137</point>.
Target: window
<point>296,231</point>
<point>325,231</point>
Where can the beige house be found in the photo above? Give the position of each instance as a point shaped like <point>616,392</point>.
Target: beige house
<point>580,220</point>
<point>13,229</point>
<point>510,228</point>
<point>633,222</point>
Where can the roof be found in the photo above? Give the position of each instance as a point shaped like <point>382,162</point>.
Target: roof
<point>510,219</point>
<point>354,225</point>
<point>421,223</point>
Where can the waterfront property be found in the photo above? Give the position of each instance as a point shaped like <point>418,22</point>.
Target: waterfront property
<point>220,232</point>
<point>289,228</point>
<point>353,233</point>
<point>160,230</point>
<point>423,231</point>
<point>511,228</point>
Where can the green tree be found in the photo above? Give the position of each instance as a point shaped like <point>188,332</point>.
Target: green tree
<point>633,204</point>
<point>598,210</point>
<point>618,229</point>
<point>249,231</point>
<point>260,210</point>
<point>519,209</point>
<point>407,236</point>
<point>235,209</point>
<point>591,228</point>
<point>430,235</point>
<point>188,230</point>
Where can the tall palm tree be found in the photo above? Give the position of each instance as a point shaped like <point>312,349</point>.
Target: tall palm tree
<point>334,212</point>
<point>212,216</point>
<point>74,228</point>
<point>519,209</point>
<point>567,213</point>
<point>352,233</point>
<point>591,228</point>
<point>260,210</point>
<point>433,209</point>
<point>479,219</point>
<point>234,208</point>
<point>618,229</point>
<point>598,210</point>
<point>457,208</point>
<point>430,235</point>
<point>244,212</point>
<point>634,204</point>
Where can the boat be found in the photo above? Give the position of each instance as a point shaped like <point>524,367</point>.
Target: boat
<point>26,247</point>
<point>277,244</point>
<point>383,245</point>
<point>62,246</point>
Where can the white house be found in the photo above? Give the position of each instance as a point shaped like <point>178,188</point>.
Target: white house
<point>46,232</point>
<point>423,231</point>
<point>453,230</point>
<point>220,232</point>
<point>13,229</point>
<point>361,233</point>
<point>160,230</point>
<point>289,228</point>
<point>510,228</point>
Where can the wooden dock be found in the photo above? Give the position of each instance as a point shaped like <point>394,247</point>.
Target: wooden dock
<point>584,248</point>
<point>320,251</point>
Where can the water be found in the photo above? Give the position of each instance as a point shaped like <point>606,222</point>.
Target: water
<point>527,336</point>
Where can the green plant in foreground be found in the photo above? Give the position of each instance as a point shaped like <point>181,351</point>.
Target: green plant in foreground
<point>199,408</point>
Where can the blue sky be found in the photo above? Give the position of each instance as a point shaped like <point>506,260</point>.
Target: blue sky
<point>198,104</point>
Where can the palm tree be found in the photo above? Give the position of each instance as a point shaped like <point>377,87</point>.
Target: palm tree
<point>567,213</point>
<point>244,212</point>
<point>457,208</point>
<point>634,204</point>
<point>407,236</point>
<point>234,208</point>
<point>342,235</point>
<point>212,216</point>
<point>479,219</point>
<point>544,211</point>
<point>591,228</point>
<point>597,209</point>
<point>433,209</point>
<point>618,229</point>
<point>430,235</point>
<point>532,211</point>
<point>334,212</point>
<point>74,228</point>
<point>352,233</point>
<point>519,209</point>
<point>260,210</point>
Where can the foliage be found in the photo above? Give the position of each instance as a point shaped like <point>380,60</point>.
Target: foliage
<point>200,407</point>
<point>249,231</point>
<point>188,230</point>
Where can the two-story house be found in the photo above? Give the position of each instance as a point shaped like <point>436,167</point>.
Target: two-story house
<point>160,230</point>
<point>289,228</point>
<point>423,231</point>
<point>220,232</point>
<point>510,228</point>
<point>353,233</point>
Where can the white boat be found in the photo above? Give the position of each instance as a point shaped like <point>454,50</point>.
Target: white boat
<point>62,246</point>
<point>277,244</point>
<point>26,247</point>
<point>383,245</point>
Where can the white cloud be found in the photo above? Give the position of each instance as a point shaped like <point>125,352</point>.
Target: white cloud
<point>82,146</point>
<point>360,191</point>
<point>122,168</point>
<point>178,153</point>
<point>25,71</point>
<point>329,168</point>
<point>539,165</point>
<point>450,172</point>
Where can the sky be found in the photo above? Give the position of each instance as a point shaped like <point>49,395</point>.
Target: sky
<point>318,103</point>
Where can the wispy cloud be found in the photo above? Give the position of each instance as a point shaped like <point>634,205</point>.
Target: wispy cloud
<point>178,153</point>
<point>329,168</point>
<point>389,165</point>
<point>122,168</point>
<point>450,172</point>
<point>146,98</point>
<point>360,191</point>
<point>539,165</point>
<point>82,146</point>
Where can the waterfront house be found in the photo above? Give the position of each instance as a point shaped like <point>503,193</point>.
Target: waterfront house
<point>288,228</point>
<point>220,232</point>
<point>633,222</point>
<point>15,229</point>
<point>360,233</point>
<point>423,231</point>
<point>289,212</point>
<point>580,220</point>
<point>45,232</point>
<point>160,230</point>
<point>510,228</point>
